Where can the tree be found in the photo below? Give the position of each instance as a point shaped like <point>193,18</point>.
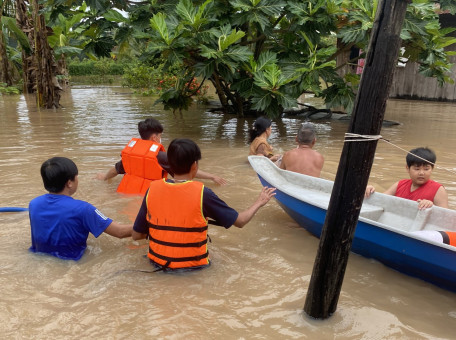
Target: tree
<point>39,67</point>
<point>261,55</point>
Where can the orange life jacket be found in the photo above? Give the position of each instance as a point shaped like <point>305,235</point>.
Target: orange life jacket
<point>177,227</point>
<point>139,159</point>
<point>449,237</point>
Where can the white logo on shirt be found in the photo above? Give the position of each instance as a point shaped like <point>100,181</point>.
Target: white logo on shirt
<point>99,213</point>
<point>133,142</point>
<point>154,147</point>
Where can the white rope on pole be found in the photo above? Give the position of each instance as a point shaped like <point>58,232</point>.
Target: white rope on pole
<point>354,137</point>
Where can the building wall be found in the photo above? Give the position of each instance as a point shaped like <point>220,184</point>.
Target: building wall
<point>409,84</point>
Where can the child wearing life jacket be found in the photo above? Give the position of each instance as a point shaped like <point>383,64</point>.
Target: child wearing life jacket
<point>174,213</point>
<point>60,225</point>
<point>420,187</point>
<point>144,160</point>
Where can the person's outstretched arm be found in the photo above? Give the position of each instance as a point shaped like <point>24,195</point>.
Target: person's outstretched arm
<point>105,176</point>
<point>119,230</point>
<point>245,216</point>
<point>206,175</point>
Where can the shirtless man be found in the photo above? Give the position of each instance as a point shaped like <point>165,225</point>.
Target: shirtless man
<point>303,159</point>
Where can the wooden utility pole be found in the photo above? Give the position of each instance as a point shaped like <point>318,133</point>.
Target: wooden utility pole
<point>356,161</point>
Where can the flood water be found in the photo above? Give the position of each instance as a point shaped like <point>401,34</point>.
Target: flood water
<point>257,285</point>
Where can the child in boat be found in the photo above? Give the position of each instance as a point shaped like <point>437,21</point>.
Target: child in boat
<point>304,159</point>
<point>174,213</point>
<point>145,167</point>
<point>258,139</point>
<point>60,225</point>
<point>420,187</point>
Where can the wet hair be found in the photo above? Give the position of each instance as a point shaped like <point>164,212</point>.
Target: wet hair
<point>182,153</point>
<point>261,124</point>
<point>306,133</point>
<point>425,153</point>
<point>148,127</point>
<point>56,172</point>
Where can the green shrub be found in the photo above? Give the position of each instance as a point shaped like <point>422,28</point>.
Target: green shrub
<point>102,67</point>
<point>5,89</point>
<point>140,76</point>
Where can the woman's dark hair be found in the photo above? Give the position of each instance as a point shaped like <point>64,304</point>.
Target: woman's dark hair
<point>148,127</point>
<point>56,172</point>
<point>182,153</point>
<point>260,126</point>
<point>428,156</point>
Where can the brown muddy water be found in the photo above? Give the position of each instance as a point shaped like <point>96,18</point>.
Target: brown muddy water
<point>257,285</point>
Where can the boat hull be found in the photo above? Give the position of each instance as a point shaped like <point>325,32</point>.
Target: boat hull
<point>408,255</point>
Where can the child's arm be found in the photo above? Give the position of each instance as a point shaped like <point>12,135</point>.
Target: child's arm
<point>245,216</point>
<point>441,198</point>
<point>392,189</point>
<point>119,230</point>
<point>108,175</point>
<point>206,175</point>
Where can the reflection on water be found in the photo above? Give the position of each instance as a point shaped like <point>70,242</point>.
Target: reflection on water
<point>257,285</point>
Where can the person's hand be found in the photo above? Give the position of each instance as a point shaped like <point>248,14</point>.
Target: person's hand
<point>275,158</point>
<point>265,195</point>
<point>424,204</point>
<point>369,191</point>
<point>218,180</point>
<point>101,176</point>
<point>278,162</point>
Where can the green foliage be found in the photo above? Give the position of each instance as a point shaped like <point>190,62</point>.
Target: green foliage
<point>260,55</point>
<point>5,89</point>
<point>102,67</point>
<point>140,76</point>
<point>10,24</point>
<point>152,80</point>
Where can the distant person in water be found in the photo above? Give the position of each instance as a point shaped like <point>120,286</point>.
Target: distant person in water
<point>420,187</point>
<point>60,225</point>
<point>144,160</point>
<point>259,139</point>
<point>303,158</point>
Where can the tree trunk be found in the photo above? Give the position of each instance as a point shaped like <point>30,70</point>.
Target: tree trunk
<point>4,73</point>
<point>4,63</point>
<point>47,86</point>
<point>24,23</point>
<point>39,68</point>
<point>356,161</point>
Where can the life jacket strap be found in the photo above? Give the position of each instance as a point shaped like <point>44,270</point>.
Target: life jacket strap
<point>180,229</point>
<point>162,268</point>
<point>180,245</point>
<point>179,259</point>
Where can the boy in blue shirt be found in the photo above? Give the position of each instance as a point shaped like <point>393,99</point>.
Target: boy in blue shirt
<point>60,225</point>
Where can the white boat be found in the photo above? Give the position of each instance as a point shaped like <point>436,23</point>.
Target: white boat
<point>390,229</point>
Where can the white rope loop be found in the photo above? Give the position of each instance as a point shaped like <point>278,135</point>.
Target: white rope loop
<point>349,137</point>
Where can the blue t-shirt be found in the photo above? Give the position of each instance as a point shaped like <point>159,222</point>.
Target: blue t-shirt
<point>60,225</point>
<point>213,208</point>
